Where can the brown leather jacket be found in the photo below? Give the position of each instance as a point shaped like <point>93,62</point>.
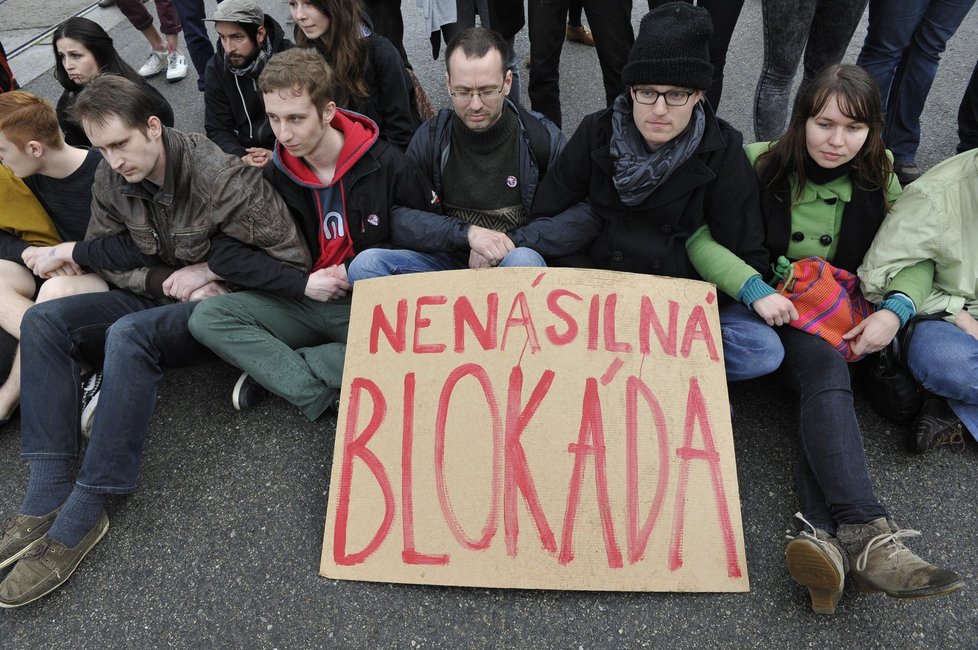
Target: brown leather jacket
<point>205,191</point>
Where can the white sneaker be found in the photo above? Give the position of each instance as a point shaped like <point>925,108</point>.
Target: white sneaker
<point>155,63</point>
<point>176,68</point>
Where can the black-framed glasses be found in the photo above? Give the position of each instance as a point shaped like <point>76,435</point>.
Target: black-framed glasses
<point>484,94</point>
<point>672,97</point>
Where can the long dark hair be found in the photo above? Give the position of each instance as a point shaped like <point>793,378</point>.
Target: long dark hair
<point>93,37</point>
<point>343,47</point>
<point>859,100</point>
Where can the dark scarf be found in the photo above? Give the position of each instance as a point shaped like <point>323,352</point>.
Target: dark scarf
<point>257,64</point>
<point>860,220</point>
<point>638,172</point>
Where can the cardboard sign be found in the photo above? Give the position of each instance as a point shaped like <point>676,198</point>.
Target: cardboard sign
<point>535,428</point>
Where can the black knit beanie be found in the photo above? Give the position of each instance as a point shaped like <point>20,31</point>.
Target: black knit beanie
<point>672,48</point>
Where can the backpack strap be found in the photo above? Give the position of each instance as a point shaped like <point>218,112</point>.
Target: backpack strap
<point>539,137</point>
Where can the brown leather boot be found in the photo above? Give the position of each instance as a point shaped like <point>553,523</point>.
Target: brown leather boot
<point>880,562</point>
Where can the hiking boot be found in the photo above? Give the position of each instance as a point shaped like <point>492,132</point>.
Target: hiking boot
<point>880,562</point>
<point>176,67</point>
<point>247,393</point>
<point>21,533</point>
<point>816,560</point>
<point>46,567</point>
<point>906,173</point>
<point>154,64</point>
<point>935,426</point>
<point>579,34</point>
<point>91,389</point>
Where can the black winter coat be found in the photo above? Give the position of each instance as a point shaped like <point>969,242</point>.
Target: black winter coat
<point>717,186</point>
<point>234,110</point>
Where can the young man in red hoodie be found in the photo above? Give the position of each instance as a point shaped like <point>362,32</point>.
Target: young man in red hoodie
<point>340,183</point>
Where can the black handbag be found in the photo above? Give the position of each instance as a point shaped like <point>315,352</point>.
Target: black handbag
<point>890,388</point>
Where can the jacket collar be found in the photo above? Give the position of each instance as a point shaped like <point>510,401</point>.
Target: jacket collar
<point>173,150</point>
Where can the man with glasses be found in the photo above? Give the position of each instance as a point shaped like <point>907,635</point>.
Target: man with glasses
<point>671,187</point>
<point>484,158</point>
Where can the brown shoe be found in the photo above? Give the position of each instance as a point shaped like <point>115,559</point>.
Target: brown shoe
<point>21,533</point>
<point>579,34</point>
<point>817,561</point>
<point>46,567</point>
<point>880,562</point>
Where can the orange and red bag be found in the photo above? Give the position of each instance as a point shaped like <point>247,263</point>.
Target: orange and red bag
<point>828,300</point>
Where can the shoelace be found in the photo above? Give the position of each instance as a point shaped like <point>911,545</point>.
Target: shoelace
<point>882,540</point>
<point>38,550</point>
<point>952,436</point>
<point>812,534</point>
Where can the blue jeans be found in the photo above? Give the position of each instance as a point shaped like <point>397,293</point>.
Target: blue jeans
<point>751,347</point>
<point>381,262</point>
<point>944,358</point>
<point>132,339</point>
<point>830,473</point>
<point>902,50</point>
<point>822,28</point>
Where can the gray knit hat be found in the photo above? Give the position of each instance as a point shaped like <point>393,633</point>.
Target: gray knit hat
<point>672,48</point>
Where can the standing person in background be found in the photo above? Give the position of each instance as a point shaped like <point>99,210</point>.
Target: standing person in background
<point>83,50</point>
<point>234,112</point>
<point>611,27</point>
<point>826,186</point>
<point>820,28</point>
<point>968,115</point>
<point>163,55</point>
<point>724,14</point>
<point>902,50</point>
<point>368,73</point>
<point>199,44</point>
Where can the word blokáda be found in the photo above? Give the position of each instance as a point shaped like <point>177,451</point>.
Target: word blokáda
<point>541,429</point>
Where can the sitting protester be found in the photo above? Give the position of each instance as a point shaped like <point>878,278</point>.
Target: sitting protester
<point>340,181</point>
<point>368,74</point>
<point>670,186</point>
<point>169,213</point>
<point>234,113</point>
<point>484,158</point>
<point>934,226</point>
<point>60,177</point>
<point>83,50</point>
<point>826,186</point>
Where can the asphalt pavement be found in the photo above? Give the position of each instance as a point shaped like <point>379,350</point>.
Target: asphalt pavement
<point>220,545</point>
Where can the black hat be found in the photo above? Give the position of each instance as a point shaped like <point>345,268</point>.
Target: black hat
<point>672,48</point>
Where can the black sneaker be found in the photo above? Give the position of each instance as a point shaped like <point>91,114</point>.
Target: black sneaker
<point>91,387</point>
<point>247,393</point>
<point>935,426</point>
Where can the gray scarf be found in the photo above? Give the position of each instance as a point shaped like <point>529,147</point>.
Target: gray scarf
<point>639,172</point>
<point>257,64</point>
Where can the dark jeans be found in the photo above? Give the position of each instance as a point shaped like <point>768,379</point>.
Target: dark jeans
<point>820,28</point>
<point>724,14</point>
<point>902,50</point>
<point>131,339</point>
<point>831,475</point>
<point>611,26</point>
<point>968,115</point>
<point>195,33</point>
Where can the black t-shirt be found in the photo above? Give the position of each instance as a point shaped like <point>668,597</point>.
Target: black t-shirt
<point>68,201</point>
